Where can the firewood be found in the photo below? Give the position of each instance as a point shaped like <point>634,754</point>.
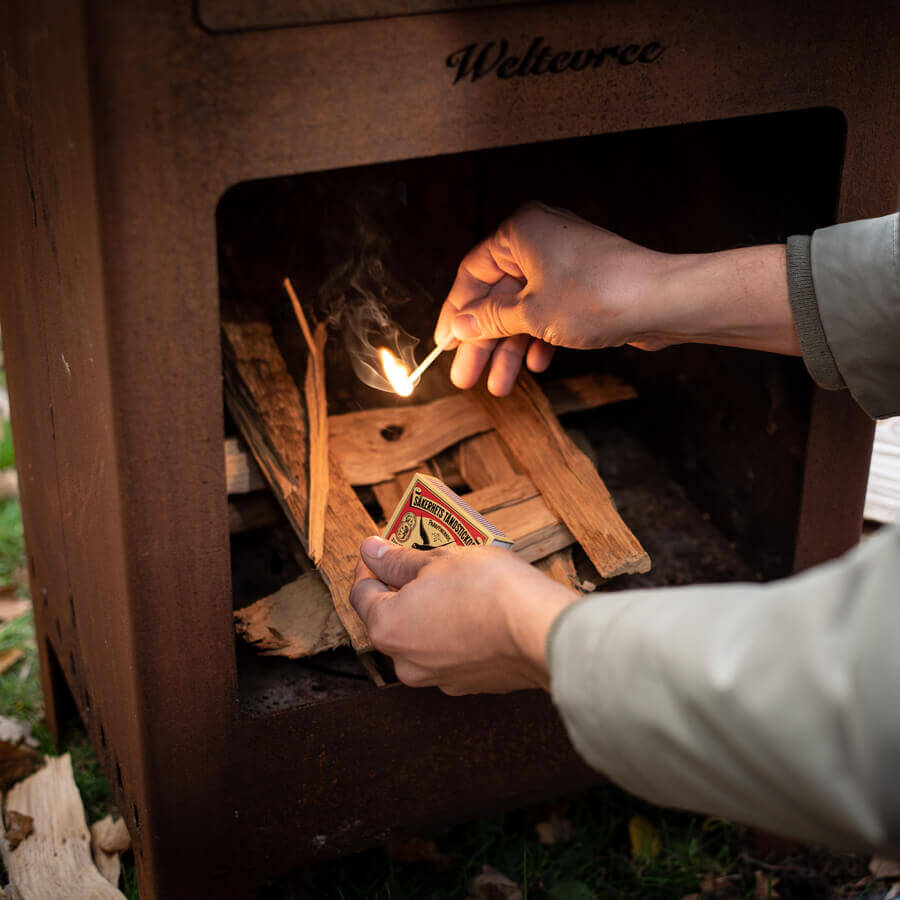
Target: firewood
<point>564,476</point>
<point>266,406</point>
<point>317,414</point>
<point>373,445</point>
<point>297,620</point>
<point>537,533</point>
<point>242,474</point>
<point>561,568</point>
<point>483,461</point>
<point>55,859</point>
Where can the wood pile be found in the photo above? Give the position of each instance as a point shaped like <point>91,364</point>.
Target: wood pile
<point>521,468</point>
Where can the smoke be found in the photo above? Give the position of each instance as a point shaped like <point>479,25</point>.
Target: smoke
<point>357,296</point>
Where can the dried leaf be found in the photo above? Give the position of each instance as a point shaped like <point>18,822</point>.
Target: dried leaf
<point>884,868</point>
<point>645,842</point>
<point>15,763</point>
<point>18,827</point>
<point>556,830</point>
<point>8,658</point>
<point>764,888</point>
<point>416,850</point>
<point>493,885</point>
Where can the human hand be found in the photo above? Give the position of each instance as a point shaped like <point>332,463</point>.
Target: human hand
<point>548,278</point>
<point>467,620</point>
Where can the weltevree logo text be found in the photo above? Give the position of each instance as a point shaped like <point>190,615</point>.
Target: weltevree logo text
<point>474,61</point>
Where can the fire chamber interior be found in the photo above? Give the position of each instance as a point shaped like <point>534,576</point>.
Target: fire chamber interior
<point>705,465</point>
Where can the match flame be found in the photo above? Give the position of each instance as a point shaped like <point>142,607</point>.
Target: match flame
<point>396,372</point>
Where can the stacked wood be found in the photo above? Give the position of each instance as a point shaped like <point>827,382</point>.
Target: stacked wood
<point>266,406</point>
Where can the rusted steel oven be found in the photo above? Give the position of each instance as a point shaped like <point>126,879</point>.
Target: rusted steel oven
<point>159,156</point>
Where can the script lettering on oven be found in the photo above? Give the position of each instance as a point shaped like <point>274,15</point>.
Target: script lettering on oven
<point>474,61</point>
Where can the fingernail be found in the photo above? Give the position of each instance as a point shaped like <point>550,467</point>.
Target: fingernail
<point>374,547</point>
<point>465,328</point>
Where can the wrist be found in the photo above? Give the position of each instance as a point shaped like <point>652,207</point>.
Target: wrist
<point>529,625</point>
<point>735,298</point>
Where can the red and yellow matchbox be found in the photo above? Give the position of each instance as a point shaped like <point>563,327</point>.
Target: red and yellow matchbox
<point>430,515</point>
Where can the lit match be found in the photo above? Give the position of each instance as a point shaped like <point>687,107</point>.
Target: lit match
<point>402,380</point>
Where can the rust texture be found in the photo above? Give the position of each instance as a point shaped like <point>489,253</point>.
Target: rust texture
<point>121,127</point>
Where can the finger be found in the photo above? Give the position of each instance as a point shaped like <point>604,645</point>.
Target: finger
<point>390,564</point>
<point>481,268</point>
<point>367,592</point>
<point>505,364</point>
<point>539,356</point>
<point>469,362</point>
<point>412,675</point>
<point>499,313</point>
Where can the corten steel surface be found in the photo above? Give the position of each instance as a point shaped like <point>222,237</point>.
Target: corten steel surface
<point>123,125</point>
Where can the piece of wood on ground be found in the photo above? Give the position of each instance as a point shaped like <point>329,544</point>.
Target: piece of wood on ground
<point>296,621</point>
<point>109,839</point>
<point>266,406</point>
<point>565,477</point>
<point>483,461</point>
<point>13,607</point>
<point>883,491</point>
<point>55,859</point>
<point>317,417</point>
<point>8,658</point>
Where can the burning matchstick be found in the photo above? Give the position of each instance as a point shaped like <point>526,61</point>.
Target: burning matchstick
<point>416,373</point>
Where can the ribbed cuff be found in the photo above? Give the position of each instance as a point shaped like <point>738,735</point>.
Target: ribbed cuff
<point>813,343</point>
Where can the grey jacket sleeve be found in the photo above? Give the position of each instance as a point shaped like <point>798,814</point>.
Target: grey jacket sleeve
<point>775,705</point>
<point>845,295</point>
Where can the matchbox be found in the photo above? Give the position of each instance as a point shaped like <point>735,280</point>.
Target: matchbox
<point>430,515</point>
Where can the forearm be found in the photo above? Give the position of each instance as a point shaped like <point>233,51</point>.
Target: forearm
<point>773,704</point>
<point>735,298</point>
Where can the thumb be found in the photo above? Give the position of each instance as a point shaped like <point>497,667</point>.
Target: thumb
<point>499,314</point>
<point>393,565</point>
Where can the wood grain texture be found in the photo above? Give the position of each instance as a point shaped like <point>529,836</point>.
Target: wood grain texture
<point>483,461</point>
<point>266,406</point>
<point>368,457</point>
<point>883,490</point>
<point>55,859</point>
<point>565,477</point>
<point>317,417</point>
<point>296,621</point>
<point>560,566</point>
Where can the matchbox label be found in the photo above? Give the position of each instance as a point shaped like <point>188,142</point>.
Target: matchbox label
<point>424,522</point>
<point>430,515</point>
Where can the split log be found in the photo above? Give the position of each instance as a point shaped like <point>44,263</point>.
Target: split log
<point>298,620</point>
<point>242,474</point>
<point>317,417</point>
<point>374,444</point>
<point>537,533</point>
<point>55,860</point>
<point>564,476</point>
<point>560,567</point>
<point>266,406</point>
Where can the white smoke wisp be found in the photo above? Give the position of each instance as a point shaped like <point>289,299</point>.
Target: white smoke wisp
<point>357,295</point>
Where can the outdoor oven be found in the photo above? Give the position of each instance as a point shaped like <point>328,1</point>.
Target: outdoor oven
<point>162,156</point>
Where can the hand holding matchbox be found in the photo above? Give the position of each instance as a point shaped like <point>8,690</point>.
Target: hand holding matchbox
<point>430,515</point>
